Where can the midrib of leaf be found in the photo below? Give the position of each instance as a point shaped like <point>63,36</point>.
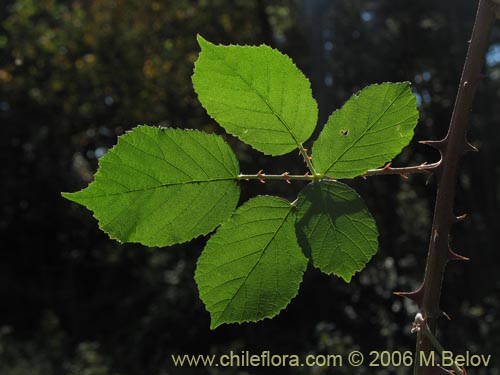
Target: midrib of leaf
<point>366,130</point>
<point>299,145</point>
<point>254,266</point>
<point>163,185</point>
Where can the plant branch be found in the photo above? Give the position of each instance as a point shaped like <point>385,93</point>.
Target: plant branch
<point>420,325</point>
<point>403,171</point>
<point>452,147</point>
<point>307,159</point>
<point>262,177</point>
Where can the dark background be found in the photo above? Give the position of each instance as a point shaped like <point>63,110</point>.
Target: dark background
<point>76,74</point>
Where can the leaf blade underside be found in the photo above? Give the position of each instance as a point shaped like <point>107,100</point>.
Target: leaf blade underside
<point>335,229</point>
<point>370,129</point>
<point>256,94</point>
<point>154,185</point>
<point>252,266</point>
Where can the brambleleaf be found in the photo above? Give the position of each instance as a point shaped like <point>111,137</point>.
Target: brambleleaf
<point>161,186</point>
<point>335,228</point>
<point>252,266</point>
<point>370,129</point>
<point>256,94</point>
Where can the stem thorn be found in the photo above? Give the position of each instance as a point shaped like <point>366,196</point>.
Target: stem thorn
<point>415,296</point>
<point>454,256</point>
<point>470,148</point>
<point>438,145</point>
<point>262,176</point>
<point>446,315</point>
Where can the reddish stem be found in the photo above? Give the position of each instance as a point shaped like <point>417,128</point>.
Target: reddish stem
<point>452,147</point>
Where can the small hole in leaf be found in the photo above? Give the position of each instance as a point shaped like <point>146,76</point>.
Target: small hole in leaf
<point>344,132</point>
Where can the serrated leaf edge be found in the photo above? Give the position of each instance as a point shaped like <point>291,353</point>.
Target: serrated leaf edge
<point>407,84</point>
<point>203,43</point>
<point>69,195</point>
<point>357,270</point>
<point>215,324</point>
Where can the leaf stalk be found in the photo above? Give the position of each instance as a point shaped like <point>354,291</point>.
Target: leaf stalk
<point>307,160</point>
<point>403,171</point>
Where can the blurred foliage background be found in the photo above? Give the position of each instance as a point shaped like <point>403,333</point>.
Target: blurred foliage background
<point>76,74</point>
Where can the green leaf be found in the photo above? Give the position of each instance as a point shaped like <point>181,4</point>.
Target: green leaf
<point>252,266</point>
<point>161,186</point>
<point>256,94</point>
<point>370,129</point>
<point>335,228</point>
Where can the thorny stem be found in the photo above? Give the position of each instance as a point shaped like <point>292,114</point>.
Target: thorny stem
<point>452,147</point>
<point>403,171</point>
<point>307,159</point>
<point>421,326</point>
<point>285,177</point>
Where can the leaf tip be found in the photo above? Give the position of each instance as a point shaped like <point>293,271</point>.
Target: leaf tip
<point>202,42</point>
<point>214,323</point>
<point>70,196</point>
<point>346,278</point>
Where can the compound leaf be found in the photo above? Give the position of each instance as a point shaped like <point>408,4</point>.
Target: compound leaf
<point>252,266</point>
<point>370,129</point>
<point>161,186</point>
<point>256,94</point>
<point>335,228</point>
